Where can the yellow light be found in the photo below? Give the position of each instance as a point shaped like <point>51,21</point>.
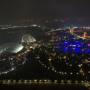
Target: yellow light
<point>62,81</point>
<point>49,59</point>
<point>76,82</point>
<point>9,82</point>
<point>14,81</point>
<point>19,81</point>
<point>69,82</point>
<point>55,81</point>
<point>35,80</point>
<point>4,82</point>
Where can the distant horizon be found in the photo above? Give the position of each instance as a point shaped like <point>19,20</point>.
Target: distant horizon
<point>43,19</point>
<point>10,10</point>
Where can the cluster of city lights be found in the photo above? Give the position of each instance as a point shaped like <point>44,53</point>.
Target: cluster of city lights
<point>75,46</point>
<point>45,81</point>
<point>58,72</point>
<point>12,63</point>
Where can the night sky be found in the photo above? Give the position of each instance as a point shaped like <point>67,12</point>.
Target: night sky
<point>10,10</point>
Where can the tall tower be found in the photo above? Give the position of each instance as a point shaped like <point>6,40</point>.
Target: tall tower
<point>72,30</point>
<point>85,34</point>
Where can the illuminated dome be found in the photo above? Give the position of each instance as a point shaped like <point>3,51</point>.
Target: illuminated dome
<point>27,38</point>
<point>7,62</point>
<point>11,48</point>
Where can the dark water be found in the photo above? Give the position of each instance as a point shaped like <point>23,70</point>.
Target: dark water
<point>44,87</point>
<point>15,35</point>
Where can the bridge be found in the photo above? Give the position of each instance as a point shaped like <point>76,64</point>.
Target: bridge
<point>45,82</point>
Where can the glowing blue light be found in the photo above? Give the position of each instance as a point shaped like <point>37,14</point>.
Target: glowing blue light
<point>70,50</point>
<point>65,50</point>
<point>66,43</point>
<point>79,44</point>
<point>87,51</point>
<point>72,45</point>
<point>77,50</point>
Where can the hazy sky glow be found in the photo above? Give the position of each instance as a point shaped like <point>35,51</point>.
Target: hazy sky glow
<point>12,9</point>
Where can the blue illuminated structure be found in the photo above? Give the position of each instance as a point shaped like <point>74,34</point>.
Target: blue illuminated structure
<point>78,50</point>
<point>72,45</point>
